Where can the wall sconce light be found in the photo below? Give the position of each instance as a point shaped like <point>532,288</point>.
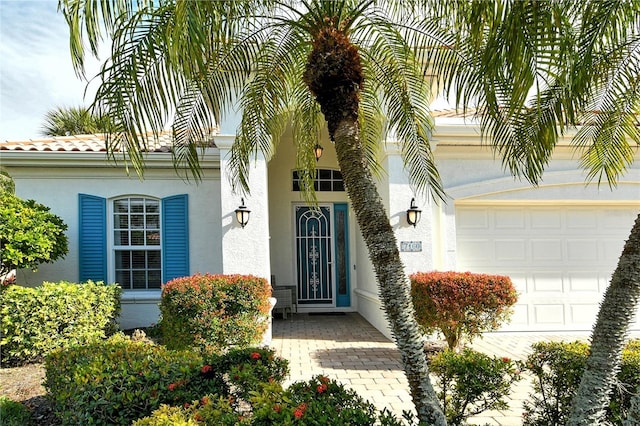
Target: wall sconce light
<point>242,214</point>
<point>414,213</point>
<point>318,151</point>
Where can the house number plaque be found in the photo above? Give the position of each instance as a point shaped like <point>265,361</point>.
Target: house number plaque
<point>411,246</point>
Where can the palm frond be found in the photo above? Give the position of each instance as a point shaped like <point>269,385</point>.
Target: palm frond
<point>404,95</point>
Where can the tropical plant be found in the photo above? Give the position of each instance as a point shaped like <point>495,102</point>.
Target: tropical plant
<point>37,320</point>
<point>65,121</point>
<point>461,304</point>
<point>537,70</point>
<point>284,62</point>
<point>557,367</point>
<point>471,382</point>
<point>534,68</point>
<point>214,312</point>
<point>29,234</point>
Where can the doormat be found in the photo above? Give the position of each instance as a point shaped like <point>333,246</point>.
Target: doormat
<point>327,313</point>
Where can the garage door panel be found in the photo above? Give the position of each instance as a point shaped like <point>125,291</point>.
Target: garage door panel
<point>472,219</point>
<point>547,282</point>
<point>549,250</point>
<point>619,219</point>
<point>520,316</point>
<point>612,249</point>
<point>588,281</point>
<point>549,314</point>
<point>581,219</point>
<point>560,258</point>
<point>547,219</point>
<point>477,251</point>
<point>510,250</point>
<point>581,250</point>
<point>509,219</point>
<point>583,313</point>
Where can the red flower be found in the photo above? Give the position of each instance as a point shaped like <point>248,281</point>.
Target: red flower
<point>277,408</point>
<point>506,359</point>
<point>298,413</point>
<point>186,405</point>
<point>198,417</point>
<point>323,379</point>
<point>205,400</point>
<point>322,388</point>
<point>172,386</point>
<point>255,355</point>
<point>205,369</point>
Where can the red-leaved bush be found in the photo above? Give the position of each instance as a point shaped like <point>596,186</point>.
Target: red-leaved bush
<point>461,304</point>
<point>214,312</point>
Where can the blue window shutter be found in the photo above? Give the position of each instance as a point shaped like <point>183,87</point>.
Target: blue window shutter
<point>93,238</point>
<point>175,237</point>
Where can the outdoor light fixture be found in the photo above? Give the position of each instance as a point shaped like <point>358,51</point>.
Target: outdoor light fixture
<point>318,151</point>
<point>413,214</point>
<point>242,214</point>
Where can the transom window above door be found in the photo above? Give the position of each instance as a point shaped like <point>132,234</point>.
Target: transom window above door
<point>137,243</point>
<point>327,180</point>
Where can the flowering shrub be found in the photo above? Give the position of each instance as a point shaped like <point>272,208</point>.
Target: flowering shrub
<point>557,368</point>
<point>471,382</point>
<point>248,368</point>
<point>36,320</point>
<point>214,312</point>
<point>319,401</point>
<point>119,380</point>
<point>461,304</point>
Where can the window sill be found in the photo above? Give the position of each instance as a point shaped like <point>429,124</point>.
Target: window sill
<point>141,296</point>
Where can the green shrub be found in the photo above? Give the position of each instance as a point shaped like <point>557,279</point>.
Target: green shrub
<point>119,380</point>
<point>248,368</point>
<point>211,410</point>
<point>317,402</point>
<point>13,413</point>
<point>557,368</point>
<point>461,304</point>
<point>214,312</point>
<point>471,382</point>
<point>34,321</point>
<point>29,234</point>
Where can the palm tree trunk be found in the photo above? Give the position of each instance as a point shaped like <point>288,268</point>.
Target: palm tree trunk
<point>607,339</point>
<point>385,257</point>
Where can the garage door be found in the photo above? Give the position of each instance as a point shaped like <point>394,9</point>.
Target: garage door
<point>559,258</point>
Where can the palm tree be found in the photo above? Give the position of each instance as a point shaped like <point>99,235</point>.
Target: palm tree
<point>283,62</point>
<point>65,121</point>
<point>534,70</point>
<point>538,69</point>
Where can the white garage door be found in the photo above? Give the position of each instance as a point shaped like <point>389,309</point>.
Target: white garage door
<point>559,257</point>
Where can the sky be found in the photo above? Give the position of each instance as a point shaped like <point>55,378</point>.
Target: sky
<point>36,74</point>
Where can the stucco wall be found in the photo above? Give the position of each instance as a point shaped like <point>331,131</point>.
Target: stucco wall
<point>58,188</point>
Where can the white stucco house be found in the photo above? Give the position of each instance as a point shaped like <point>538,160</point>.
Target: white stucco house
<point>559,242</point>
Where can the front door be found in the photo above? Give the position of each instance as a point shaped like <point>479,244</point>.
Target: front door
<point>322,256</point>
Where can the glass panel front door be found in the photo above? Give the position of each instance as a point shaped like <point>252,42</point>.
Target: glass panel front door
<point>314,256</point>
<point>322,256</point>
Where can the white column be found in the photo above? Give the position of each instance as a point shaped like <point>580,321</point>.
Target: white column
<point>244,250</point>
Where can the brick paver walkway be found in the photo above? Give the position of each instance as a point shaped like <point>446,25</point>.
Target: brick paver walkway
<point>350,350</point>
